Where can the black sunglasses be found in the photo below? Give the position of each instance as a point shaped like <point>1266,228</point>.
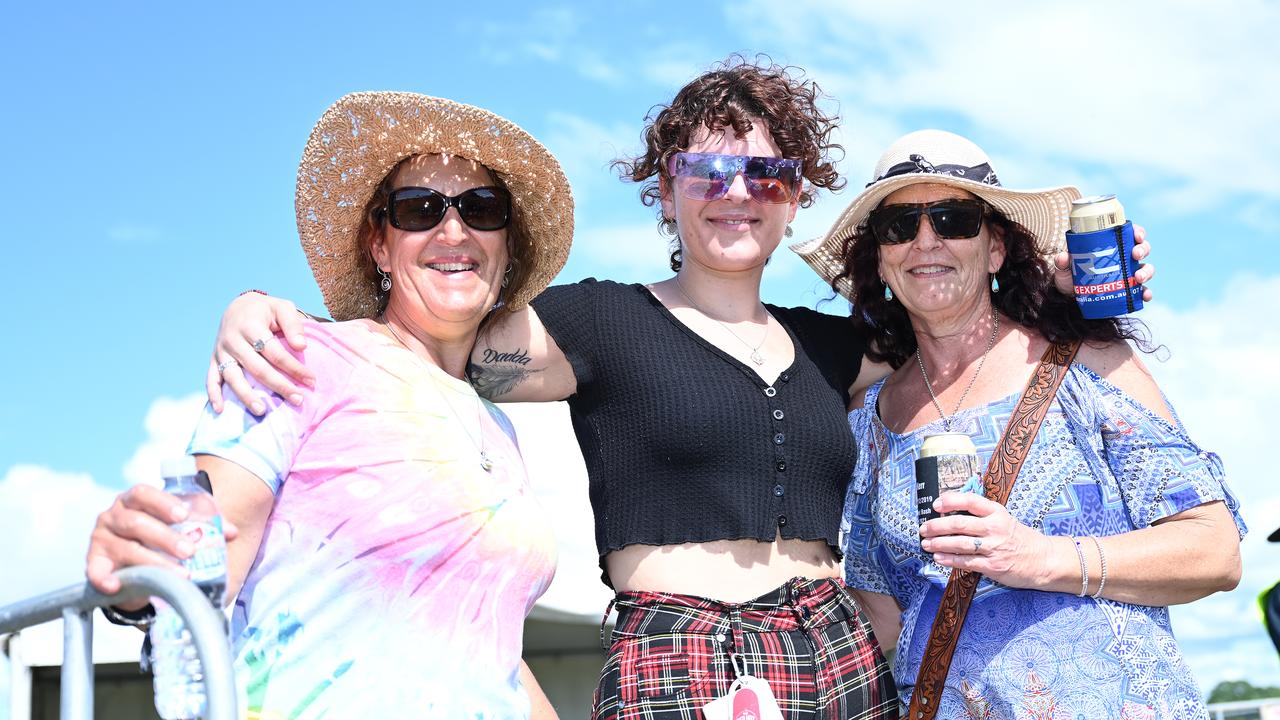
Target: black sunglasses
<point>951,220</point>
<point>415,209</point>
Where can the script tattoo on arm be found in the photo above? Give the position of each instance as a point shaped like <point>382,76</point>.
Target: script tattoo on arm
<point>499,373</point>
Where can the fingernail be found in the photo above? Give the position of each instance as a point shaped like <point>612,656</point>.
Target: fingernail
<point>179,512</point>
<point>185,548</point>
<point>258,408</point>
<point>295,399</point>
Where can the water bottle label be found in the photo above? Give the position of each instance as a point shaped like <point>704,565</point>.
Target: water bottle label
<point>209,562</point>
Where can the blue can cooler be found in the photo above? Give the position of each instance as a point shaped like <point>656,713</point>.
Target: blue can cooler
<point>1100,242</point>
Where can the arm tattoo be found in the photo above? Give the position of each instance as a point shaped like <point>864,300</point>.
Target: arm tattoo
<point>499,373</point>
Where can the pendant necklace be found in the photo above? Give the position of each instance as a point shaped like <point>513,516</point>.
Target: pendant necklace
<point>756,357</point>
<point>485,463</point>
<point>991,341</point>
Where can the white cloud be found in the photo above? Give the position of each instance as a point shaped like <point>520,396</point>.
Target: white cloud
<point>1171,90</point>
<point>49,514</point>
<point>133,234</point>
<point>586,149</point>
<point>550,35</point>
<point>47,519</point>
<point>169,424</point>
<point>626,253</point>
<point>1220,377</point>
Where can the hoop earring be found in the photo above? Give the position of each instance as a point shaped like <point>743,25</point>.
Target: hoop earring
<point>386,280</point>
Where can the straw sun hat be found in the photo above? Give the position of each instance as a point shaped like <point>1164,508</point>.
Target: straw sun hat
<point>936,156</point>
<point>363,135</point>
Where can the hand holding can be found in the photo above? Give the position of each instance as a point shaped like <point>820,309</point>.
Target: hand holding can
<point>1100,242</point>
<point>948,462</point>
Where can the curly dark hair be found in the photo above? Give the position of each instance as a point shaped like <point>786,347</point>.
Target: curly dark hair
<point>520,248</point>
<point>731,95</point>
<point>1027,296</point>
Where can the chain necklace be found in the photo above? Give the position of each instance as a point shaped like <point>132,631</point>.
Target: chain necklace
<point>485,463</point>
<point>756,357</point>
<point>991,341</point>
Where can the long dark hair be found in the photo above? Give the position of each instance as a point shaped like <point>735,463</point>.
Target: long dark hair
<point>1027,296</point>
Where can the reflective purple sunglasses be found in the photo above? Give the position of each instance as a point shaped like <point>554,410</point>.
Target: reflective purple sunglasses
<point>708,176</point>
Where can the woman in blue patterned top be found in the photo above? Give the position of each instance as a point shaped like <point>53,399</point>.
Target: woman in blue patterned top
<point>1116,513</point>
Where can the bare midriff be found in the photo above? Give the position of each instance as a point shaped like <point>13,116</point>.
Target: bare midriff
<point>728,570</point>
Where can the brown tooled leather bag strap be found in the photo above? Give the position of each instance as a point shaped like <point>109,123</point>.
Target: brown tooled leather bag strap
<point>997,483</point>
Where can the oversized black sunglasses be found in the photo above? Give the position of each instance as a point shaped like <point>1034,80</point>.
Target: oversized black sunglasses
<point>415,209</point>
<point>951,219</point>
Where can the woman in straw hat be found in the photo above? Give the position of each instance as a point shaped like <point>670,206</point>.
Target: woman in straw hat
<point>383,515</point>
<point>1115,514</point>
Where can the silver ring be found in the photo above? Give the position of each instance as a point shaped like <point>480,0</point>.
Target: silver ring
<point>259,345</point>
<point>222,366</point>
<point>977,544</point>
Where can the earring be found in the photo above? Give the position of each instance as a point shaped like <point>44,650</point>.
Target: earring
<point>888,292</point>
<point>506,274</point>
<point>788,232</point>
<point>995,283</point>
<point>669,226</point>
<point>386,280</point>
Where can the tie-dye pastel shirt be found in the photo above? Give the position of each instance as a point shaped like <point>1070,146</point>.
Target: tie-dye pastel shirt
<point>395,573</point>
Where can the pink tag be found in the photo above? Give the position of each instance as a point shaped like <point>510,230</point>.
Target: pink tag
<point>746,706</point>
<point>749,698</point>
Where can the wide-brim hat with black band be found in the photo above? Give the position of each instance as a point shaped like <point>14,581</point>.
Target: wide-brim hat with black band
<point>362,136</point>
<point>937,156</point>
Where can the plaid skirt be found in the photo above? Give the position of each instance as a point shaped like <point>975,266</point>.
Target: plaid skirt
<point>808,639</point>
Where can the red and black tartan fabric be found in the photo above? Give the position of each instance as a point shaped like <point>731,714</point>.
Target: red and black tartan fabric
<point>808,639</point>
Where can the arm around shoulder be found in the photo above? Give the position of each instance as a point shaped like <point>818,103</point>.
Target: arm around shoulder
<point>516,360</point>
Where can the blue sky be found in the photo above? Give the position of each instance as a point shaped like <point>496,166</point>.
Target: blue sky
<point>151,151</point>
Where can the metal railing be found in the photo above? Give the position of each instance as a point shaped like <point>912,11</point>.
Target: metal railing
<point>75,605</point>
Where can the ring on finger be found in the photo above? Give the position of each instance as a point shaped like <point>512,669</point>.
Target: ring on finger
<point>977,545</point>
<point>260,344</point>
<point>222,366</point>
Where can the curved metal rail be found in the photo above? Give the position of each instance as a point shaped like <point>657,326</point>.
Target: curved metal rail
<point>75,605</point>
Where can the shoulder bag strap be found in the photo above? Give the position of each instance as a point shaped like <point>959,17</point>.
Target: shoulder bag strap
<point>997,483</point>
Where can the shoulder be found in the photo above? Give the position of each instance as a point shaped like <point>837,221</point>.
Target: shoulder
<point>589,288</point>
<point>1118,364</point>
<point>335,347</point>
<point>829,338</point>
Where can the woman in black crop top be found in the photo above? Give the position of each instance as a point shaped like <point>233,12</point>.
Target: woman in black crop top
<point>713,426</point>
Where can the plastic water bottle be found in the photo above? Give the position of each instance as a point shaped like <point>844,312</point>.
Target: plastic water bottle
<point>177,676</point>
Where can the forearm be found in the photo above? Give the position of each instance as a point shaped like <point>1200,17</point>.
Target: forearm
<point>883,613</point>
<point>540,707</point>
<point>1181,559</point>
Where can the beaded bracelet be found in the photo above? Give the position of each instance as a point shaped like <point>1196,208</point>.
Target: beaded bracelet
<point>254,290</point>
<point>1102,558</point>
<point>1084,569</point>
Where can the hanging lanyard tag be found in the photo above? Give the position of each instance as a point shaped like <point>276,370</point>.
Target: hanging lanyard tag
<point>749,698</point>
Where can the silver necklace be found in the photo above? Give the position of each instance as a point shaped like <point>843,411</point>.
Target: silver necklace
<point>756,357</point>
<point>991,341</point>
<point>485,463</point>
